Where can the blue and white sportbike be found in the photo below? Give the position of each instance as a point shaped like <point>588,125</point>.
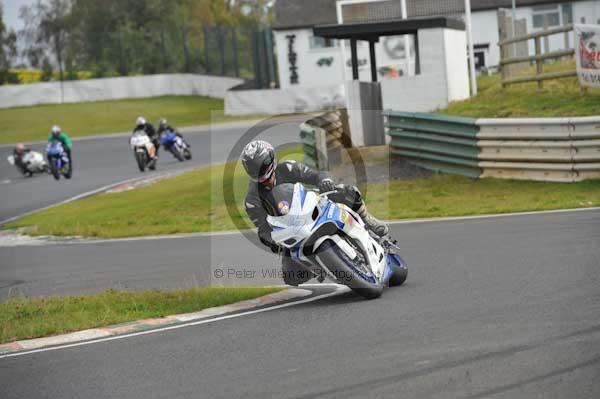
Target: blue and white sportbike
<point>330,240</point>
<point>176,146</point>
<point>59,161</point>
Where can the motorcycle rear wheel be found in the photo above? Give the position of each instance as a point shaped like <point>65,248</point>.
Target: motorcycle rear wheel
<point>345,270</point>
<point>69,172</point>
<point>399,275</point>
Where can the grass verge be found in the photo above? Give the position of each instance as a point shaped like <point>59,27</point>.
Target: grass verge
<point>27,124</point>
<point>33,318</point>
<point>560,97</point>
<point>194,202</point>
<point>449,195</point>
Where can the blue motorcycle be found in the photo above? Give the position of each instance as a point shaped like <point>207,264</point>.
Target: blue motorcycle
<point>176,146</point>
<point>59,161</point>
<point>330,240</point>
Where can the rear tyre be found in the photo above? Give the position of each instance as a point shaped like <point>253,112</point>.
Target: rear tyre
<point>350,271</point>
<point>69,172</point>
<point>140,158</point>
<point>399,271</point>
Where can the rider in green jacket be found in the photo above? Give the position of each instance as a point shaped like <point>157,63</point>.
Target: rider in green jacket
<point>58,135</point>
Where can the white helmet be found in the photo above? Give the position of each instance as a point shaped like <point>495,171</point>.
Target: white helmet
<point>56,130</point>
<point>140,121</point>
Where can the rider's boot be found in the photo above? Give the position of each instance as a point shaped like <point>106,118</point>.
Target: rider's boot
<point>376,226</point>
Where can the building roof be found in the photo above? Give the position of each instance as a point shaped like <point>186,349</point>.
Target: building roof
<point>389,27</point>
<point>292,14</point>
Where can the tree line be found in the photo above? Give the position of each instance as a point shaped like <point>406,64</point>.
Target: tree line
<point>133,37</point>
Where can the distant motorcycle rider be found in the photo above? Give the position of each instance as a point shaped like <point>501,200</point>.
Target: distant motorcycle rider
<point>260,162</point>
<point>142,124</point>
<point>58,135</point>
<point>163,127</point>
<point>18,154</point>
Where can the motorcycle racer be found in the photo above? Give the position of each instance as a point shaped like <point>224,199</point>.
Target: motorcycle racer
<point>57,134</point>
<point>260,162</point>
<point>19,153</point>
<point>153,135</point>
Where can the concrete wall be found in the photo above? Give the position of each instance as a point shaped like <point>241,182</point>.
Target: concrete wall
<point>485,32</point>
<point>444,74</point>
<point>116,88</point>
<point>282,101</point>
<point>310,74</point>
<point>457,67</point>
<point>313,71</point>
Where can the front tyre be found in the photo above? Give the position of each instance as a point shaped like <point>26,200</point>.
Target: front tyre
<point>354,273</point>
<point>177,154</point>
<point>54,170</point>
<point>140,158</point>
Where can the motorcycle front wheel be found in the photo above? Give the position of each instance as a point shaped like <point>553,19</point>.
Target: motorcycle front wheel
<point>177,154</point>
<point>54,170</point>
<point>140,158</point>
<point>350,272</point>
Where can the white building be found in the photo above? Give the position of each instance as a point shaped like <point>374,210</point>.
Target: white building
<point>308,61</point>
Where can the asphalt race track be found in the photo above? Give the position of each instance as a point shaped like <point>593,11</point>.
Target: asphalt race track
<point>493,308</point>
<point>103,161</point>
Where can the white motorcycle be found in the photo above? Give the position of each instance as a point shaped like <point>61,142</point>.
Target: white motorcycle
<point>34,163</point>
<point>330,240</point>
<point>143,150</point>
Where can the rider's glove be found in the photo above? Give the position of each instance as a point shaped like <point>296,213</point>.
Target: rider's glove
<point>326,185</point>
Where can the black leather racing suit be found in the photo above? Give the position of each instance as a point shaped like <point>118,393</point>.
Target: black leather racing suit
<point>153,135</point>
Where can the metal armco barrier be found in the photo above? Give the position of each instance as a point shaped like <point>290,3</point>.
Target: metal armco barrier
<point>545,149</point>
<point>435,142</point>
<point>548,149</point>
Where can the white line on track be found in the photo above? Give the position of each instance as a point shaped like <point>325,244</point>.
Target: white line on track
<point>339,289</point>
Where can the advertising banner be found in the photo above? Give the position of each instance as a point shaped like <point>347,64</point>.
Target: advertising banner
<point>587,54</point>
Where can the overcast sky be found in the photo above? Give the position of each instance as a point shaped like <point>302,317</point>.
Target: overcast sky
<point>10,13</point>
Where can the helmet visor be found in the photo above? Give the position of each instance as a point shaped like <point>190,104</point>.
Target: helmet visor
<point>268,172</point>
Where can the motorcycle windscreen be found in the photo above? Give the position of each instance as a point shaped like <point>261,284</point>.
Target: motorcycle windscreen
<point>279,200</point>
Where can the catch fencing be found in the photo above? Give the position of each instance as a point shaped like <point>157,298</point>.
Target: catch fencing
<point>544,149</point>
